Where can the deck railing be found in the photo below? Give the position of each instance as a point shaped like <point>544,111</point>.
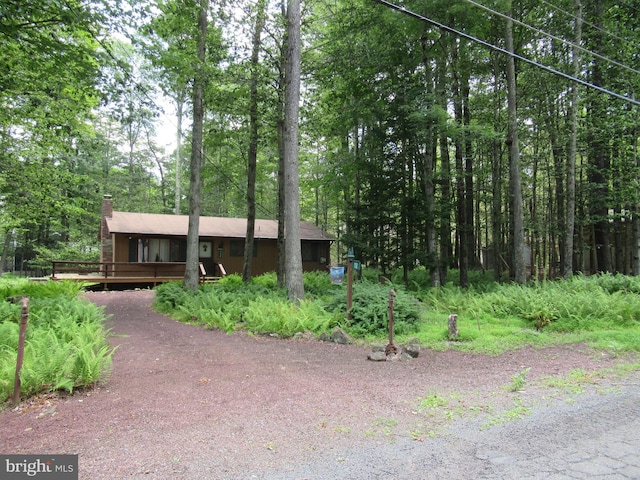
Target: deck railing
<point>108,270</point>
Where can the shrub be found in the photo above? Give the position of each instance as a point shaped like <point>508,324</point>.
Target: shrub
<point>370,310</point>
<point>65,346</point>
<point>170,296</point>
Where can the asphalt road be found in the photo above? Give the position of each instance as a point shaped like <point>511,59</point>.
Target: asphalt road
<point>594,436</point>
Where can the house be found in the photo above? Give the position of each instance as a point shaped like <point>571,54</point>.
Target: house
<point>131,239</point>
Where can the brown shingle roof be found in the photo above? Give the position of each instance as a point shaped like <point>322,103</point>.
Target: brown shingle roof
<point>177,225</point>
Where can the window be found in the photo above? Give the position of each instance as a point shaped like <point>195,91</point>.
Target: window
<point>157,250</point>
<point>310,251</point>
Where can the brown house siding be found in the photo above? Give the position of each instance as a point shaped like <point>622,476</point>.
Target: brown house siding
<point>134,238</point>
<point>265,261</point>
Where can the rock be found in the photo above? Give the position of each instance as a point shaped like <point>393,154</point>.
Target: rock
<point>378,356</point>
<point>411,349</point>
<point>378,348</point>
<point>338,335</point>
<point>394,357</point>
<point>405,357</point>
<point>304,336</point>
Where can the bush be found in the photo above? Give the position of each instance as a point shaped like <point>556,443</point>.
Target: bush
<point>370,310</point>
<point>169,297</point>
<point>65,345</point>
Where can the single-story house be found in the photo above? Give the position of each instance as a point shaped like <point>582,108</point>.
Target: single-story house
<point>137,238</point>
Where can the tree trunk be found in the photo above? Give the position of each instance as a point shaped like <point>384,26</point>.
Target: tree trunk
<point>599,160</point>
<point>515,177</point>
<point>282,68</point>
<point>192,272</point>
<point>460,144</point>
<point>496,171</point>
<point>469,231</point>
<point>446,249</point>
<point>178,197</point>
<point>429,184</point>
<point>253,144</point>
<point>5,250</point>
<point>635,235</point>
<point>293,259</point>
<point>571,156</point>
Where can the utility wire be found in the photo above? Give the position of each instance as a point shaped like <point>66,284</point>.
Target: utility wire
<point>491,46</point>
<point>585,22</point>
<point>554,37</point>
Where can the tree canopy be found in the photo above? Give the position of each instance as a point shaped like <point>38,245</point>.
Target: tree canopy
<point>407,124</point>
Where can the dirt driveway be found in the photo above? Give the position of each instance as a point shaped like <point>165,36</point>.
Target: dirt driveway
<point>183,402</point>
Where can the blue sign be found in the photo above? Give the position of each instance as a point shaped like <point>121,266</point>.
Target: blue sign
<point>337,275</point>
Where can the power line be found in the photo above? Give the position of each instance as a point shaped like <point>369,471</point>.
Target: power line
<point>585,22</point>
<point>554,37</point>
<point>491,46</point>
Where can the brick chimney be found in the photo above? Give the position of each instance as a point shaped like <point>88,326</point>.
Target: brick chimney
<point>106,244</point>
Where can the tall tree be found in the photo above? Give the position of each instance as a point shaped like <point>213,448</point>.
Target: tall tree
<point>293,249</point>
<point>192,275</point>
<point>573,141</point>
<point>515,176</point>
<point>253,140</point>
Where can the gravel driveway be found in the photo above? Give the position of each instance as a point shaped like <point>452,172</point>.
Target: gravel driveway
<point>183,402</point>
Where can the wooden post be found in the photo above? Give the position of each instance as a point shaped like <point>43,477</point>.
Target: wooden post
<point>24,318</point>
<point>391,348</point>
<point>349,287</point>
<point>453,326</point>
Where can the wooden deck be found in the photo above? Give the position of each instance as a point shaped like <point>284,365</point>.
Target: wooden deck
<point>123,273</point>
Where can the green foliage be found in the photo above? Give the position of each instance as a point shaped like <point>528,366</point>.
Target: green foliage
<point>602,310</point>
<point>259,306</point>
<point>266,315</point>
<point>268,280</point>
<point>317,284</point>
<point>23,287</point>
<point>45,256</point>
<point>170,296</point>
<point>519,380</point>
<point>233,280</point>
<point>370,309</point>
<point>65,345</point>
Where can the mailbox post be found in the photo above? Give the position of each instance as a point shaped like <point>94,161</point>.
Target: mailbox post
<point>350,257</point>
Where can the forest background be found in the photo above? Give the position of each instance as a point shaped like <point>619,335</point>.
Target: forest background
<point>411,148</point>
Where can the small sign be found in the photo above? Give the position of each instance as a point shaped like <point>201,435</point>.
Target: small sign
<point>356,265</point>
<point>337,275</point>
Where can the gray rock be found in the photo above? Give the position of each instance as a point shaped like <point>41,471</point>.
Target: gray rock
<point>338,335</point>
<point>304,336</point>
<point>411,349</point>
<point>378,356</point>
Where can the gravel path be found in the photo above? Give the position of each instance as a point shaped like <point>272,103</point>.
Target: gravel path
<point>187,403</point>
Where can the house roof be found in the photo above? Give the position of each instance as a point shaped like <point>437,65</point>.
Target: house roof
<point>177,225</point>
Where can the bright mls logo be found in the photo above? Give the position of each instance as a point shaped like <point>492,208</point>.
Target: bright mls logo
<point>50,467</point>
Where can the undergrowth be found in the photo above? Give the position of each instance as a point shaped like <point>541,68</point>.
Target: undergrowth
<point>65,343</point>
<point>601,310</point>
